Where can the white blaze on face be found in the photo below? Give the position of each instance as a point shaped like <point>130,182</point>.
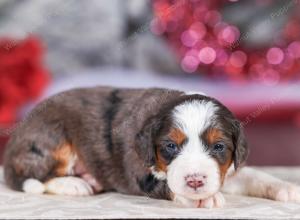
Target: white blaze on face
<point>193,117</point>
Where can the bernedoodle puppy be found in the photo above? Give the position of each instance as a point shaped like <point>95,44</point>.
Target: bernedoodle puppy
<point>165,144</point>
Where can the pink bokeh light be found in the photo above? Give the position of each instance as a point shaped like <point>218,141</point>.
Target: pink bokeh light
<point>207,55</point>
<point>275,55</point>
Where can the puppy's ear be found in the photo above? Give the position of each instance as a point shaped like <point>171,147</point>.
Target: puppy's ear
<point>241,148</point>
<point>145,140</point>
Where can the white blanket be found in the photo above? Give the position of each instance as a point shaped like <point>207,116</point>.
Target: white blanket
<point>113,205</point>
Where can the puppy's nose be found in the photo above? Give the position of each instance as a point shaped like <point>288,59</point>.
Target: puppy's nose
<point>195,181</point>
<point>195,184</point>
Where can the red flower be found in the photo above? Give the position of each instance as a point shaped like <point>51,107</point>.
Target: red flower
<point>22,76</point>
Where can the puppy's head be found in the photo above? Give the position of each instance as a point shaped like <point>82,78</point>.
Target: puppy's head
<point>192,143</point>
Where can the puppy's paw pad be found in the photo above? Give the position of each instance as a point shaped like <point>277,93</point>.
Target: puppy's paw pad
<point>215,201</point>
<point>71,186</point>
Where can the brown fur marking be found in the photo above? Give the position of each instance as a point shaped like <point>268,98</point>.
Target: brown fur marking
<point>223,169</point>
<point>161,163</point>
<point>213,135</point>
<point>63,155</point>
<point>177,136</point>
<point>18,167</point>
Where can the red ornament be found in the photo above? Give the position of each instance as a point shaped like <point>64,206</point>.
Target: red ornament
<point>22,76</point>
<point>205,41</point>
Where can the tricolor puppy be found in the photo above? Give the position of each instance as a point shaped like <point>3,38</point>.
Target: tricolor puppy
<point>160,143</point>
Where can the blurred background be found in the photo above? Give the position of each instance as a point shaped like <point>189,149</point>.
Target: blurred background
<point>244,53</point>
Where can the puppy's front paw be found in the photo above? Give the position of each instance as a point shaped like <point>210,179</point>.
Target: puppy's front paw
<point>185,202</point>
<point>69,185</point>
<point>285,192</point>
<point>215,201</point>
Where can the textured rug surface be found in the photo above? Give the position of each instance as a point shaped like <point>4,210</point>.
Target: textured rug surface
<point>113,205</point>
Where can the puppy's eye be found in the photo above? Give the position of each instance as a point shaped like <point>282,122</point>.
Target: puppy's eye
<point>169,150</point>
<point>219,147</point>
<point>172,146</point>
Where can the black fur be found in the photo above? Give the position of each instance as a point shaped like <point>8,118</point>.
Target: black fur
<point>34,149</point>
<point>145,140</point>
<point>241,149</point>
<point>148,183</point>
<point>167,155</point>
<point>109,117</point>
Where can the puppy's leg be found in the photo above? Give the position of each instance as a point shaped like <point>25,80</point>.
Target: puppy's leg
<point>42,165</point>
<point>69,185</point>
<point>251,182</point>
<point>83,184</point>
